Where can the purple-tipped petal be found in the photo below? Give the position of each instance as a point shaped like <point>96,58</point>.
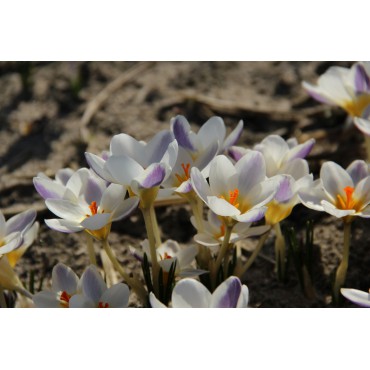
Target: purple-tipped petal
<point>227,294</point>
<point>316,94</point>
<point>93,285</point>
<point>285,189</point>
<point>361,79</point>
<point>358,170</point>
<point>21,222</point>
<point>236,152</point>
<point>253,215</point>
<point>185,187</point>
<point>302,150</point>
<point>48,189</point>
<point>152,176</point>
<point>63,226</point>
<point>64,279</point>
<point>181,128</point>
<point>64,175</point>
<point>94,191</point>
<point>234,136</point>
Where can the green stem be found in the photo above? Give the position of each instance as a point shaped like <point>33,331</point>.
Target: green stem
<point>341,273</point>
<point>90,249</point>
<point>2,298</point>
<point>367,145</point>
<point>221,254</point>
<point>134,284</point>
<point>254,255</point>
<point>280,251</point>
<point>149,216</point>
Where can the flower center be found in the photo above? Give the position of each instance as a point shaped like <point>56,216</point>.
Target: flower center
<point>356,107</point>
<point>348,202</point>
<point>186,175</point>
<point>64,299</point>
<point>103,305</point>
<point>233,197</point>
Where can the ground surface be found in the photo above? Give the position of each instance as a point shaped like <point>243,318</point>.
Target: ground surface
<point>41,107</point>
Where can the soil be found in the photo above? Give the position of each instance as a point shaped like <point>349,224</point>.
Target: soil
<point>41,107</point>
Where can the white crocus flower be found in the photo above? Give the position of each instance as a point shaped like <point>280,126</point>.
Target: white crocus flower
<point>137,164</point>
<point>190,293</point>
<point>169,252</point>
<point>94,293</point>
<point>214,231</point>
<point>348,88</point>
<point>64,285</point>
<point>357,296</point>
<point>212,132</point>
<point>89,205</point>
<point>239,192</point>
<point>339,192</point>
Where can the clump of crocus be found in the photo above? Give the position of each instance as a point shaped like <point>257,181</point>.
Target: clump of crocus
<point>345,194</point>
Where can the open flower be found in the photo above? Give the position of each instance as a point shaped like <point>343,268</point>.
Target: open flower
<point>94,293</point>
<point>190,293</point>
<point>137,164</point>
<point>169,252</point>
<point>348,88</point>
<point>357,296</point>
<point>214,231</point>
<point>339,192</point>
<point>212,132</point>
<point>90,206</point>
<point>237,192</point>
<point>64,286</point>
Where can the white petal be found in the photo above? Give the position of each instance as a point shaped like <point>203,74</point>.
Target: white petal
<point>357,296</point>
<point>332,210</point>
<point>363,125</point>
<point>200,184</point>
<point>65,209</point>
<point>123,169</point>
<point>206,240</point>
<point>233,137</point>
<point>64,226</point>
<point>155,302</point>
<point>243,298</point>
<point>222,207</point>
<point>77,182</point>
<point>362,192</point>
<point>113,195</point>
<point>92,284</point>
<point>116,296</point>
<point>64,279</point>
<point>97,221</point>
<point>97,164</point>
<point>48,188</point>
<point>358,170</point>
<point>12,242</point>
<point>222,176</point>
<point>46,300</point>
<point>212,131</point>
<point>334,179</point>
<point>80,301</point>
<point>21,222</point>
<point>123,144</point>
<point>190,293</point>
<point>255,214</point>
<point>125,208</point>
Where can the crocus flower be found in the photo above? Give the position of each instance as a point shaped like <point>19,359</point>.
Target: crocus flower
<point>14,231</point>
<point>64,286</point>
<point>357,296</point>
<point>212,132</point>
<point>94,293</point>
<point>169,252</point>
<point>348,88</point>
<point>339,192</point>
<point>214,231</point>
<point>89,205</point>
<point>190,293</point>
<point>137,164</point>
<point>237,192</point>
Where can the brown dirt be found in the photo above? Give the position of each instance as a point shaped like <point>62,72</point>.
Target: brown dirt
<point>41,105</point>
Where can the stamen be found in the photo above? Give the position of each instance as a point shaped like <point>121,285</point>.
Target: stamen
<point>166,256</point>
<point>233,197</point>
<point>186,175</point>
<point>348,202</point>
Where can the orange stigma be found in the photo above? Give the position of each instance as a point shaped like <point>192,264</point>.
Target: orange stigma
<point>186,175</point>
<point>103,305</point>
<point>348,202</point>
<point>93,208</point>
<point>233,197</point>
<point>64,299</point>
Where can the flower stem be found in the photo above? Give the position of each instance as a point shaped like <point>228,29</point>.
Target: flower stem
<point>367,145</point>
<point>90,249</point>
<point>2,298</point>
<point>254,255</point>
<point>341,273</point>
<point>149,219</point>
<point>280,252</point>
<point>221,254</point>
<point>133,283</point>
